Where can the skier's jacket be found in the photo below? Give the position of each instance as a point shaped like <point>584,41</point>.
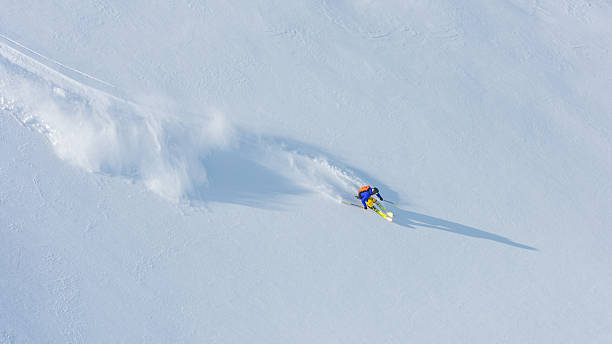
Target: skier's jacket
<point>365,193</point>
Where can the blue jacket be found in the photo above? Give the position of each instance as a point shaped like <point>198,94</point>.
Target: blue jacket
<point>365,196</point>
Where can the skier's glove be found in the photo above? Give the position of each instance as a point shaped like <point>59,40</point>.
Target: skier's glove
<point>366,208</point>
<point>381,199</point>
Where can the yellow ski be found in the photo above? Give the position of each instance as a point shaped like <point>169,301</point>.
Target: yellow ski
<point>372,202</point>
<point>383,215</point>
<point>386,217</point>
<point>388,213</point>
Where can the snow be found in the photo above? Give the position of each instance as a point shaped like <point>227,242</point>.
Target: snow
<point>171,171</point>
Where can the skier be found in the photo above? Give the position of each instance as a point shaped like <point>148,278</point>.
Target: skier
<point>365,193</point>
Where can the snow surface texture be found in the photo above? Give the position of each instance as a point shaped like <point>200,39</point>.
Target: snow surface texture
<point>170,172</point>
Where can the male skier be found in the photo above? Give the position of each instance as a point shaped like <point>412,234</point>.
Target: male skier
<point>365,193</point>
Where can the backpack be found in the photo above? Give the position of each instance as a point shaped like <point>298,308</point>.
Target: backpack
<point>362,189</point>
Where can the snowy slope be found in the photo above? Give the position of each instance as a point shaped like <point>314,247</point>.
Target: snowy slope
<point>170,171</point>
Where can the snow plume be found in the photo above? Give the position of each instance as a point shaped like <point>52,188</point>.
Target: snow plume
<point>104,134</point>
<point>310,171</point>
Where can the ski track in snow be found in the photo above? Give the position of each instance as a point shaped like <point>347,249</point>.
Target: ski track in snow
<point>102,133</point>
<point>59,64</point>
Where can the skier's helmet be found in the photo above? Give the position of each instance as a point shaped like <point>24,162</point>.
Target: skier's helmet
<point>374,191</point>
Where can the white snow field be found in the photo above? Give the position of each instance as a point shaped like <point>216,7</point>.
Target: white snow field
<point>171,171</point>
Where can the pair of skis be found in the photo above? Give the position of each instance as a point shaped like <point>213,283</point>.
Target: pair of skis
<point>387,215</point>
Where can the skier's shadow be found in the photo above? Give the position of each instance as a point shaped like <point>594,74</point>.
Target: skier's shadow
<point>413,220</point>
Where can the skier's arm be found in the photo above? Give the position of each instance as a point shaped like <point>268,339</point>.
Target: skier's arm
<point>379,196</point>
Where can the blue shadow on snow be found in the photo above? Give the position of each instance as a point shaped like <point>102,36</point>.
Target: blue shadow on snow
<point>236,176</point>
<point>412,220</point>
